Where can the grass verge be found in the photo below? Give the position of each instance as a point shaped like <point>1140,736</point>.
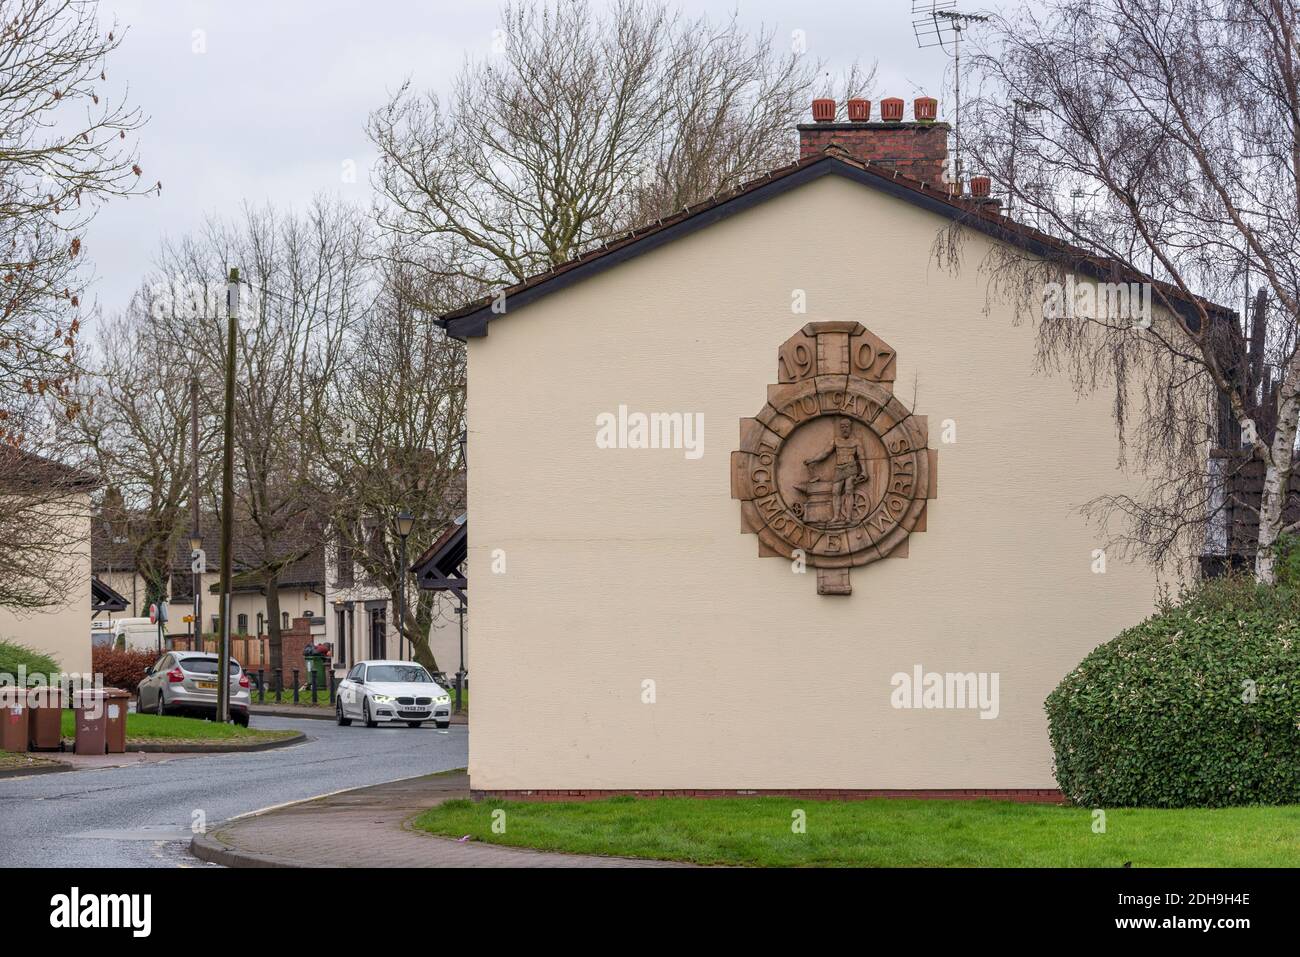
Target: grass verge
<point>151,729</point>
<point>882,833</point>
<point>9,761</point>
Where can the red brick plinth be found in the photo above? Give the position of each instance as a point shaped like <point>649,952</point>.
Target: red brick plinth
<point>1023,795</point>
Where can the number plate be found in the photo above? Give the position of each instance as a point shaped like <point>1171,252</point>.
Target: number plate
<point>205,684</point>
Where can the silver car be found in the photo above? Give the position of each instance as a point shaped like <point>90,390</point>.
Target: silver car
<point>187,681</point>
<point>376,691</point>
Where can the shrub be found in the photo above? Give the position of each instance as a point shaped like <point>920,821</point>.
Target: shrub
<point>121,668</point>
<point>13,654</point>
<point>1195,707</point>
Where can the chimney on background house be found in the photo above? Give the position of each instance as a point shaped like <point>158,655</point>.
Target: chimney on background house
<point>917,148</point>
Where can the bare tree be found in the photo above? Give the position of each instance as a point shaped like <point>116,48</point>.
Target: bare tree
<point>578,127</point>
<point>390,438</point>
<point>306,286</point>
<point>136,427</point>
<point>1160,137</point>
<point>44,515</point>
<point>64,152</point>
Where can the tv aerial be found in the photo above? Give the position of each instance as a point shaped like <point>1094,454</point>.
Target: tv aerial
<point>938,23</point>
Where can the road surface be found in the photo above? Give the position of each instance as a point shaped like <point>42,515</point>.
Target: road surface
<point>141,816</point>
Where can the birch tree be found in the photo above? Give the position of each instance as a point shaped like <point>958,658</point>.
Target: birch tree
<point>1161,137</point>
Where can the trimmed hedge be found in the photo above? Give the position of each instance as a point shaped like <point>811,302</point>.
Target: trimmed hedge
<point>121,668</point>
<point>1195,707</point>
<point>13,654</point>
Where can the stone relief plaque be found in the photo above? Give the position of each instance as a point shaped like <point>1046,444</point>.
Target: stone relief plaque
<point>834,469</point>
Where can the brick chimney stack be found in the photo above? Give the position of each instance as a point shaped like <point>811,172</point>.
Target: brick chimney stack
<point>916,148</point>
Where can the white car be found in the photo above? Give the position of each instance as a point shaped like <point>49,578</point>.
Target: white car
<point>376,691</point>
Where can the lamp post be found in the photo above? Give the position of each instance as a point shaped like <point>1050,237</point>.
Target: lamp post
<point>197,567</point>
<point>460,673</point>
<point>405,520</point>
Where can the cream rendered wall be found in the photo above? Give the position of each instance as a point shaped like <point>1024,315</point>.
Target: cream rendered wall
<point>63,631</point>
<point>628,565</point>
<point>444,634</point>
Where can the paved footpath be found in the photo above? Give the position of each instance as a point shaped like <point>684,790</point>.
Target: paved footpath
<point>370,826</point>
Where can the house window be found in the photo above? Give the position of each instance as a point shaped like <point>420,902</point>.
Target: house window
<point>346,561</point>
<point>284,620</point>
<point>216,623</point>
<point>378,633</point>
<point>243,624</point>
<point>182,586</point>
<point>340,622</point>
<point>261,624</point>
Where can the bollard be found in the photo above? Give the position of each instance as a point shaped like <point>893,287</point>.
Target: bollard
<point>279,685</point>
<point>261,686</point>
<point>313,686</point>
<point>295,685</point>
<point>334,684</point>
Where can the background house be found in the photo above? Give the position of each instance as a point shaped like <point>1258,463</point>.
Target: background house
<point>301,589</point>
<point>62,496</point>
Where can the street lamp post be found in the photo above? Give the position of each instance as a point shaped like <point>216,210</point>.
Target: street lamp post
<point>460,673</point>
<point>405,521</point>
<point>196,547</point>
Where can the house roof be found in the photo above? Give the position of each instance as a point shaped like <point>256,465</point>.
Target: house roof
<point>20,468</point>
<point>104,598</point>
<point>472,319</point>
<point>301,544</point>
<point>438,568</point>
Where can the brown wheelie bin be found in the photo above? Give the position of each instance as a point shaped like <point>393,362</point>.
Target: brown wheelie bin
<point>45,719</point>
<point>91,712</point>
<point>13,718</point>
<point>115,714</point>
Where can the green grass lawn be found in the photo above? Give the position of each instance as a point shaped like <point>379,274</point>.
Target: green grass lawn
<point>884,832</point>
<point>155,730</point>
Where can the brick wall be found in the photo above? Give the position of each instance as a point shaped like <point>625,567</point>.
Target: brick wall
<point>918,150</point>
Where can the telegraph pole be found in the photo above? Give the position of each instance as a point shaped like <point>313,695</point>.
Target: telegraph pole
<point>196,538</point>
<point>227,502</point>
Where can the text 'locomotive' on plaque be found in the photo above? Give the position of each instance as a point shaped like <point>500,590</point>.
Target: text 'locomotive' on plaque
<point>834,470</point>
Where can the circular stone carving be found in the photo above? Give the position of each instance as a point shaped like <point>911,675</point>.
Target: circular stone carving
<point>834,468</point>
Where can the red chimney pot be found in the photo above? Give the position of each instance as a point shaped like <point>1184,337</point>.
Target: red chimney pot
<point>859,111</point>
<point>891,109</point>
<point>824,110</point>
<point>925,109</point>
<point>980,187</point>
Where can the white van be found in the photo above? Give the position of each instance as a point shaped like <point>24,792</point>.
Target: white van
<point>135,634</point>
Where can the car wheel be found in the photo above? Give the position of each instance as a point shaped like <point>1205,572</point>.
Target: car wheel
<point>338,715</point>
<point>365,714</point>
<point>240,718</point>
<point>414,724</point>
<point>442,725</point>
<point>160,708</point>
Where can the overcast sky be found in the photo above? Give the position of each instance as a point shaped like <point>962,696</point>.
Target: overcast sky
<point>278,100</point>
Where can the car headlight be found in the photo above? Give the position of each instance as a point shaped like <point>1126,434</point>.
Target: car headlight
<point>442,699</point>
<point>383,698</point>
